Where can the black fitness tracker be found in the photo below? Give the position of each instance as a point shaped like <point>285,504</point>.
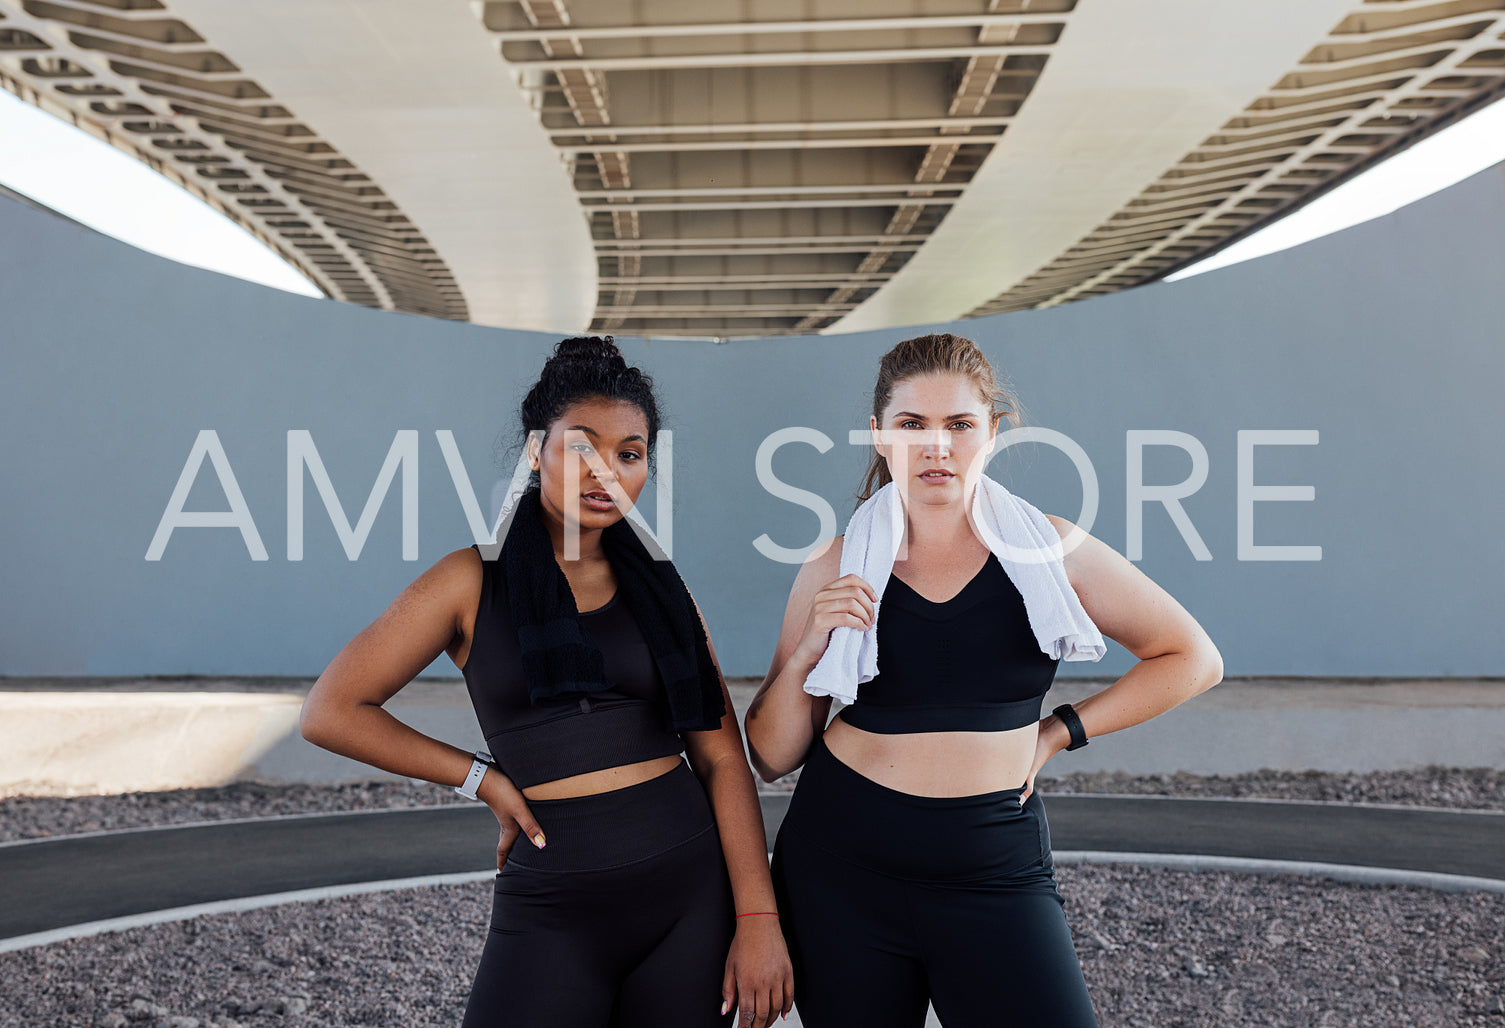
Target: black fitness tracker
<point>1073,724</point>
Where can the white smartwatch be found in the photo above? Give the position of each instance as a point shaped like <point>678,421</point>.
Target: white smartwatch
<point>472,781</point>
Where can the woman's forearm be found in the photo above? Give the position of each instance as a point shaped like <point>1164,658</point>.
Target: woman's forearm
<point>1151,687</point>
<point>369,734</point>
<point>739,819</point>
<point>782,722</point>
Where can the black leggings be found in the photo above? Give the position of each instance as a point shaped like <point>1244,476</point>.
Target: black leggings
<point>622,921</point>
<point>890,900</point>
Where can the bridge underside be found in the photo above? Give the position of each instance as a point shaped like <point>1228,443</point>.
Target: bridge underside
<point>676,168</point>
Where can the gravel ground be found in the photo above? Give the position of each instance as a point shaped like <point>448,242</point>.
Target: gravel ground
<point>1472,788</point>
<point>1160,949</point>
<point>33,817</point>
<point>36,817</point>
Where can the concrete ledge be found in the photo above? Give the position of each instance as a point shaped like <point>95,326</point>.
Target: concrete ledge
<point>79,736</point>
<point>96,743</point>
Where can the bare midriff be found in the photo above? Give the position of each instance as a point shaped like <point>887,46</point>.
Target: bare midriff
<point>605,780</point>
<point>936,763</point>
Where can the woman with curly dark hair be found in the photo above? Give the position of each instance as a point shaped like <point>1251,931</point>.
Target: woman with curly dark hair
<point>641,895</point>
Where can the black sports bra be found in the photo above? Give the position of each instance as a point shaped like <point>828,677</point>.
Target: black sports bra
<point>970,664</point>
<point>533,744</point>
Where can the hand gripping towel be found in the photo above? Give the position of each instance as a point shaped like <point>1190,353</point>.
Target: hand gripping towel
<point>1018,534</point>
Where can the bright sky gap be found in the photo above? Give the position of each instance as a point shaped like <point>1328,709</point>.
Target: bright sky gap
<point>74,173</point>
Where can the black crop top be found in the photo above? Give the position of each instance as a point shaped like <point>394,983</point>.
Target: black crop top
<point>970,664</point>
<point>533,744</point>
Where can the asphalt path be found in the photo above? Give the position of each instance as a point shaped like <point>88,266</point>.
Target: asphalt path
<point>54,883</point>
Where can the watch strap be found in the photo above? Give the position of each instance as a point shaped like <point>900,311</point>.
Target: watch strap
<point>477,772</point>
<point>1068,716</point>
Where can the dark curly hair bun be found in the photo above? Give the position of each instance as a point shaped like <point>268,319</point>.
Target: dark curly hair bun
<point>590,348</point>
<point>587,368</point>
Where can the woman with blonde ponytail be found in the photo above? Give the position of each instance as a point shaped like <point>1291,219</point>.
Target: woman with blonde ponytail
<point>913,867</point>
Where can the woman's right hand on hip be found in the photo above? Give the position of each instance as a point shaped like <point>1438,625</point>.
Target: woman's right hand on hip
<point>512,814</point>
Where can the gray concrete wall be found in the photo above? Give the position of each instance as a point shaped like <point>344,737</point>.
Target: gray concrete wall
<point>1385,340</point>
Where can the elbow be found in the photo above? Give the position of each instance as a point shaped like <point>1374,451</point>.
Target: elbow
<point>313,724</point>
<point>759,765</point>
<point>767,772</point>
<point>1211,671</point>
<point>308,724</point>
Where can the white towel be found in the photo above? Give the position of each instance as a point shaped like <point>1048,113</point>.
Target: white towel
<point>1018,534</point>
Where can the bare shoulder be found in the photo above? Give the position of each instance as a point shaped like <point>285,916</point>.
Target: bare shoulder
<point>1122,601</point>
<point>1076,543</point>
<point>458,569</point>
<point>432,615</point>
<point>1088,560</point>
<point>451,584</point>
<point>1062,526</point>
<point>824,561</point>
<point>821,567</point>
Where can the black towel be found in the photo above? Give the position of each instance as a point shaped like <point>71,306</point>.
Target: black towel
<point>561,659</point>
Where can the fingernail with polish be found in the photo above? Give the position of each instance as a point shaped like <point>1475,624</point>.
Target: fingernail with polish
<point>724,1004</point>
<point>538,840</point>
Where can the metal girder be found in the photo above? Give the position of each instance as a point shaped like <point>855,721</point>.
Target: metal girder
<point>787,58</point>
<point>798,163</point>
<point>947,119</point>
<point>747,28</point>
<point>1290,152</point>
<point>144,60</point>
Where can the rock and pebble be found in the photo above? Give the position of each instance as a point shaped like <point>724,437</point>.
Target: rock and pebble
<point>39,817</point>
<point>1460,788</point>
<point>1160,949</point>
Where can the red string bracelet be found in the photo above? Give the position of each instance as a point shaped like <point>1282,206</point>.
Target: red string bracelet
<point>755,913</point>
